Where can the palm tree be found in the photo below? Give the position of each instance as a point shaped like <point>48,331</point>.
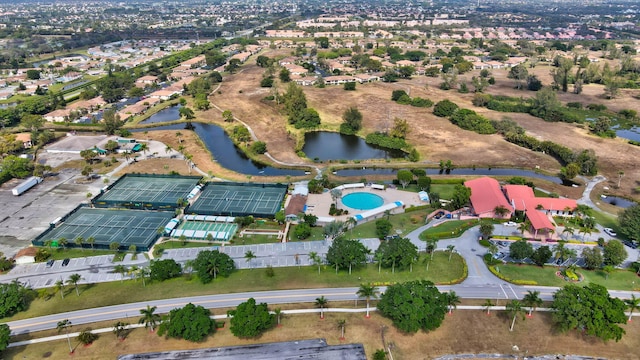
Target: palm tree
<point>608,269</point>
<point>168,149</point>
<point>179,136</point>
<point>500,211</point>
<point>335,195</point>
<point>452,300</point>
<point>63,242</point>
<point>368,291</point>
<point>378,257</point>
<point>450,250</point>
<point>278,313</point>
<point>432,244</point>
<point>514,308</point>
<point>524,226</point>
<point>143,273</point>
<point>120,269</point>
<point>65,325</point>
<point>321,302</point>
<point>341,325</point>
<point>569,230</point>
<point>493,249</point>
<point>249,256</point>
<point>60,287</point>
<point>132,271</point>
<point>149,317</point>
<point>78,241</point>
<point>562,252</point>
<point>487,305</point>
<point>632,304</point>
<point>315,259</point>
<point>532,300</point>
<point>351,222</point>
<point>119,329</point>
<point>620,175</point>
<point>91,241</point>
<point>73,280</point>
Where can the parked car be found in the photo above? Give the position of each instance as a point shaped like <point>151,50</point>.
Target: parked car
<point>610,232</point>
<point>50,263</point>
<point>65,262</point>
<point>510,223</point>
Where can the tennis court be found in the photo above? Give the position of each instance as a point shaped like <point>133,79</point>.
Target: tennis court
<point>239,199</point>
<point>144,191</point>
<point>126,227</point>
<point>200,230</point>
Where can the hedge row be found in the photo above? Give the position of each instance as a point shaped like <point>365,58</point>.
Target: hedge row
<point>516,282</point>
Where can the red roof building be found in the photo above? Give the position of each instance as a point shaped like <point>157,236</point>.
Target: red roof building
<point>486,195</point>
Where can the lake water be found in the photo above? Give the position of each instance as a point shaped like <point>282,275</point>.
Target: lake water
<point>324,145</point>
<point>171,113</point>
<point>619,202</point>
<point>226,153</point>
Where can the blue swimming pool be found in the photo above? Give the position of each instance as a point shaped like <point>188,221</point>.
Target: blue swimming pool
<point>362,201</point>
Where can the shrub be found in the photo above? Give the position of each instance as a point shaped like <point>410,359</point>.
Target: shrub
<point>259,147</point>
<point>396,94</point>
<point>444,108</point>
<point>575,105</point>
<point>86,337</point>
<point>420,102</point>
<point>350,86</point>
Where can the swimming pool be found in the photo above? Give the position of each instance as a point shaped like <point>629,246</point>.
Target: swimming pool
<point>362,201</point>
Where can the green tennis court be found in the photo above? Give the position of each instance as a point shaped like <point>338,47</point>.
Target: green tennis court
<point>239,199</point>
<point>144,191</point>
<point>202,229</point>
<point>126,227</point>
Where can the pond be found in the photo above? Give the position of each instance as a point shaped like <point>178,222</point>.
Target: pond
<point>617,201</point>
<point>324,145</point>
<point>226,153</point>
<point>171,113</point>
<point>629,134</point>
<point>457,171</point>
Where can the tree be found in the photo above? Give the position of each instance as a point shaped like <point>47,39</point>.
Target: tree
<point>5,336</point>
<point>400,128</point>
<point>111,121</point>
<point>487,305</point>
<point>589,309</point>
<point>149,317</point>
<point>541,255</point>
<point>424,183</point>
<point>518,73</point>
<point>65,325</point>
<point>532,300</point>
<point>562,252</point>
<point>227,116</point>
<point>444,108</point>
<point>520,249</point>
<point>211,263</point>
<point>614,253</point>
<point>569,230</point>
<point>249,256</point>
<point>460,197</point>
<point>191,323</point>
<point>315,259</point>
<point>545,103</point>
<point>368,292</point>
<point>592,258</point>
<point>114,246</point>
<point>285,75</point>
<point>302,231</point>
<point>278,313</point>
<point>186,113</point>
<point>120,330</point>
<point>345,254</point>
<point>259,147</point>
<point>120,269</point>
<point>321,302</point>
<point>629,221</point>
<point>397,252</point>
<point>249,320</point>
<point>14,297</point>
<point>336,194</point>
<point>59,287</point>
<point>341,325</point>
<point>450,250</point>
<point>632,304</point>
<point>414,305</point>
<point>161,270</point>
<point>333,229</point>
<point>514,308</point>
<point>352,118</point>
<point>404,177</point>
<point>86,337</point>
<point>232,66</point>
<point>486,229</point>
<point>383,228</point>
<point>73,280</point>
<point>452,300</point>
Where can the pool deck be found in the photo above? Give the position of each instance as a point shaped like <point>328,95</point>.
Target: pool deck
<point>319,204</point>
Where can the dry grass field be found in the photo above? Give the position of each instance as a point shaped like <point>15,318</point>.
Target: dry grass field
<point>468,331</point>
<point>436,138</point>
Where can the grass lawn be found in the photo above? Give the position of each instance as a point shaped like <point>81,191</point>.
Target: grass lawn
<point>619,280</point>
<point>444,190</point>
<point>188,244</point>
<point>112,293</point>
<point>317,233</point>
<point>59,254</point>
<point>448,229</point>
<point>406,223</point>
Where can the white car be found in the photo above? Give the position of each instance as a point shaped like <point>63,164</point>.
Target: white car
<point>610,231</point>
<point>510,223</point>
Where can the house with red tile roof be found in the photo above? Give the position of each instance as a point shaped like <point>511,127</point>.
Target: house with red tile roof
<point>486,196</point>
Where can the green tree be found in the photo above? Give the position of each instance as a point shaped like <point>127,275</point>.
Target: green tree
<point>514,308</point>
<point>520,249</point>
<point>120,330</point>
<point>589,309</point>
<point>227,116</point>
<point>186,113</point>
<point>259,147</point>
<point>352,120</point>
<point>341,325</point>
<point>460,198</point>
<point>302,231</point>
<point>518,73</point>
<point>191,323</point>
<point>149,317</point>
<point>404,177</point>
<point>250,320</point>
<point>592,258</point>
<point>120,269</point>
<point>383,228</point>
<point>487,305</point>
<point>73,280</point>
<point>532,300</point>
<point>414,305</point>
<point>424,183</point>
<point>232,66</point>
<point>161,270</point>
<point>629,221</point>
<point>345,254</point>
<point>111,122</point>
<point>541,255</point>
<point>285,75</point>
<point>249,256</point>
<point>452,300</point>
<point>211,263</point>
<point>64,326</point>
<point>14,297</point>
<point>368,292</point>
<point>444,108</point>
<point>486,229</point>
<point>321,302</point>
<point>86,337</point>
<point>400,128</point>
<point>614,253</point>
<point>632,304</point>
<point>397,252</point>
<point>5,336</point>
